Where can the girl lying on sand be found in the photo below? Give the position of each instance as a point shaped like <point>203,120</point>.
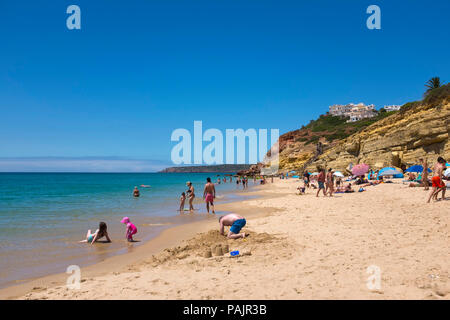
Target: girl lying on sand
<point>98,234</point>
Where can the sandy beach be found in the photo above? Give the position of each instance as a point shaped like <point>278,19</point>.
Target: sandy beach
<point>300,247</point>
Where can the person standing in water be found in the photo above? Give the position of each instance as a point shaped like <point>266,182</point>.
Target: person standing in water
<point>182,200</point>
<point>131,229</point>
<point>191,194</point>
<point>136,193</point>
<point>209,193</point>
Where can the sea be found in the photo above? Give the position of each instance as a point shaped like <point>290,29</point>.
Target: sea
<point>43,216</point>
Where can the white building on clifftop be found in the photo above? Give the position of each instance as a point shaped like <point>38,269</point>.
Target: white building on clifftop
<point>354,111</point>
<point>392,108</point>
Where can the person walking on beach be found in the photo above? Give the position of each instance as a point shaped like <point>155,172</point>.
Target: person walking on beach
<point>101,232</point>
<point>306,178</point>
<point>136,193</point>
<point>321,181</point>
<point>330,182</point>
<point>209,193</point>
<point>437,182</point>
<point>236,222</point>
<point>191,194</point>
<point>425,174</point>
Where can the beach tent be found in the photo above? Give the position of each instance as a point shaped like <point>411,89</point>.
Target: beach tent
<point>416,168</point>
<point>314,174</point>
<point>294,176</point>
<point>360,169</point>
<point>389,171</point>
<point>338,174</point>
<point>447,164</point>
<point>293,171</point>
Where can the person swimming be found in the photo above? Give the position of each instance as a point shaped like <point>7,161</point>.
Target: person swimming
<point>101,232</point>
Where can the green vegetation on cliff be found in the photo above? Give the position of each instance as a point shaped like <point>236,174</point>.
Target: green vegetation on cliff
<point>335,128</point>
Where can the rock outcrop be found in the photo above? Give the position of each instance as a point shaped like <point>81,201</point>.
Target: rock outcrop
<point>418,130</point>
<point>402,138</point>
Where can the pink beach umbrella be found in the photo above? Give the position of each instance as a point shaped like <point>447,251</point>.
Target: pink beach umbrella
<point>360,169</point>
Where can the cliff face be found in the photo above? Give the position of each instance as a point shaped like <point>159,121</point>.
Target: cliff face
<point>418,130</point>
<point>404,137</point>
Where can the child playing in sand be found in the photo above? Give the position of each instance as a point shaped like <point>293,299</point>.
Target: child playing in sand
<point>98,234</point>
<point>131,229</point>
<point>182,200</point>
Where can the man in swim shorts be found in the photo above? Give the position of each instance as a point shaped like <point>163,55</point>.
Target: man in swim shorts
<point>438,184</point>
<point>209,193</point>
<point>321,181</point>
<point>236,222</point>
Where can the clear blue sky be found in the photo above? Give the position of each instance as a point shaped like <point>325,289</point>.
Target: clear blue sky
<point>137,70</point>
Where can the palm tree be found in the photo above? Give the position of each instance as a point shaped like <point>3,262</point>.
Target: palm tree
<point>433,83</point>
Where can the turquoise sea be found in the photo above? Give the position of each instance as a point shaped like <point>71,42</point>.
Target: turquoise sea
<point>44,215</point>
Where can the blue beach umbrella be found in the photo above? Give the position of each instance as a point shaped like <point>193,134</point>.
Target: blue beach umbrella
<point>416,168</point>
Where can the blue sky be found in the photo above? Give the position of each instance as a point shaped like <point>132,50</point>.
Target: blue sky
<point>137,70</point>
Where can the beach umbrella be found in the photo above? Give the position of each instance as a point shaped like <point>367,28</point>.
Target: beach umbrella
<point>360,169</point>
<point>447,172</point>
<point>338,174</point>
<point>416,168</point>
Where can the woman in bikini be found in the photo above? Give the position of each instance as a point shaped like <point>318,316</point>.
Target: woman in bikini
<point>191,194</point>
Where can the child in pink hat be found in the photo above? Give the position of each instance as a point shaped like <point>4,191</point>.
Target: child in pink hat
<point>131,229</point>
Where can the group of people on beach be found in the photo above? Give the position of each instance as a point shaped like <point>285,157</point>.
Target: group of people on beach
<point>209,194</point>
<point>234,221</point>
<point>328,183</point>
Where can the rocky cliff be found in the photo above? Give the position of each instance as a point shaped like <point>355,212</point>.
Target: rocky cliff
<point>418,130</point>
<point>402,138</point>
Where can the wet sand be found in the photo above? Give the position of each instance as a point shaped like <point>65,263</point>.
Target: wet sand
<point>300,247</point>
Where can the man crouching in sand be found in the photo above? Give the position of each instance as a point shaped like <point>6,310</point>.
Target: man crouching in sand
<point>236,222</point>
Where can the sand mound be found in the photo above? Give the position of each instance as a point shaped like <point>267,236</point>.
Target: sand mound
<point>211,244</point>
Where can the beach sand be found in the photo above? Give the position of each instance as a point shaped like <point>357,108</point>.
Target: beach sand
<point>300,247</point>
